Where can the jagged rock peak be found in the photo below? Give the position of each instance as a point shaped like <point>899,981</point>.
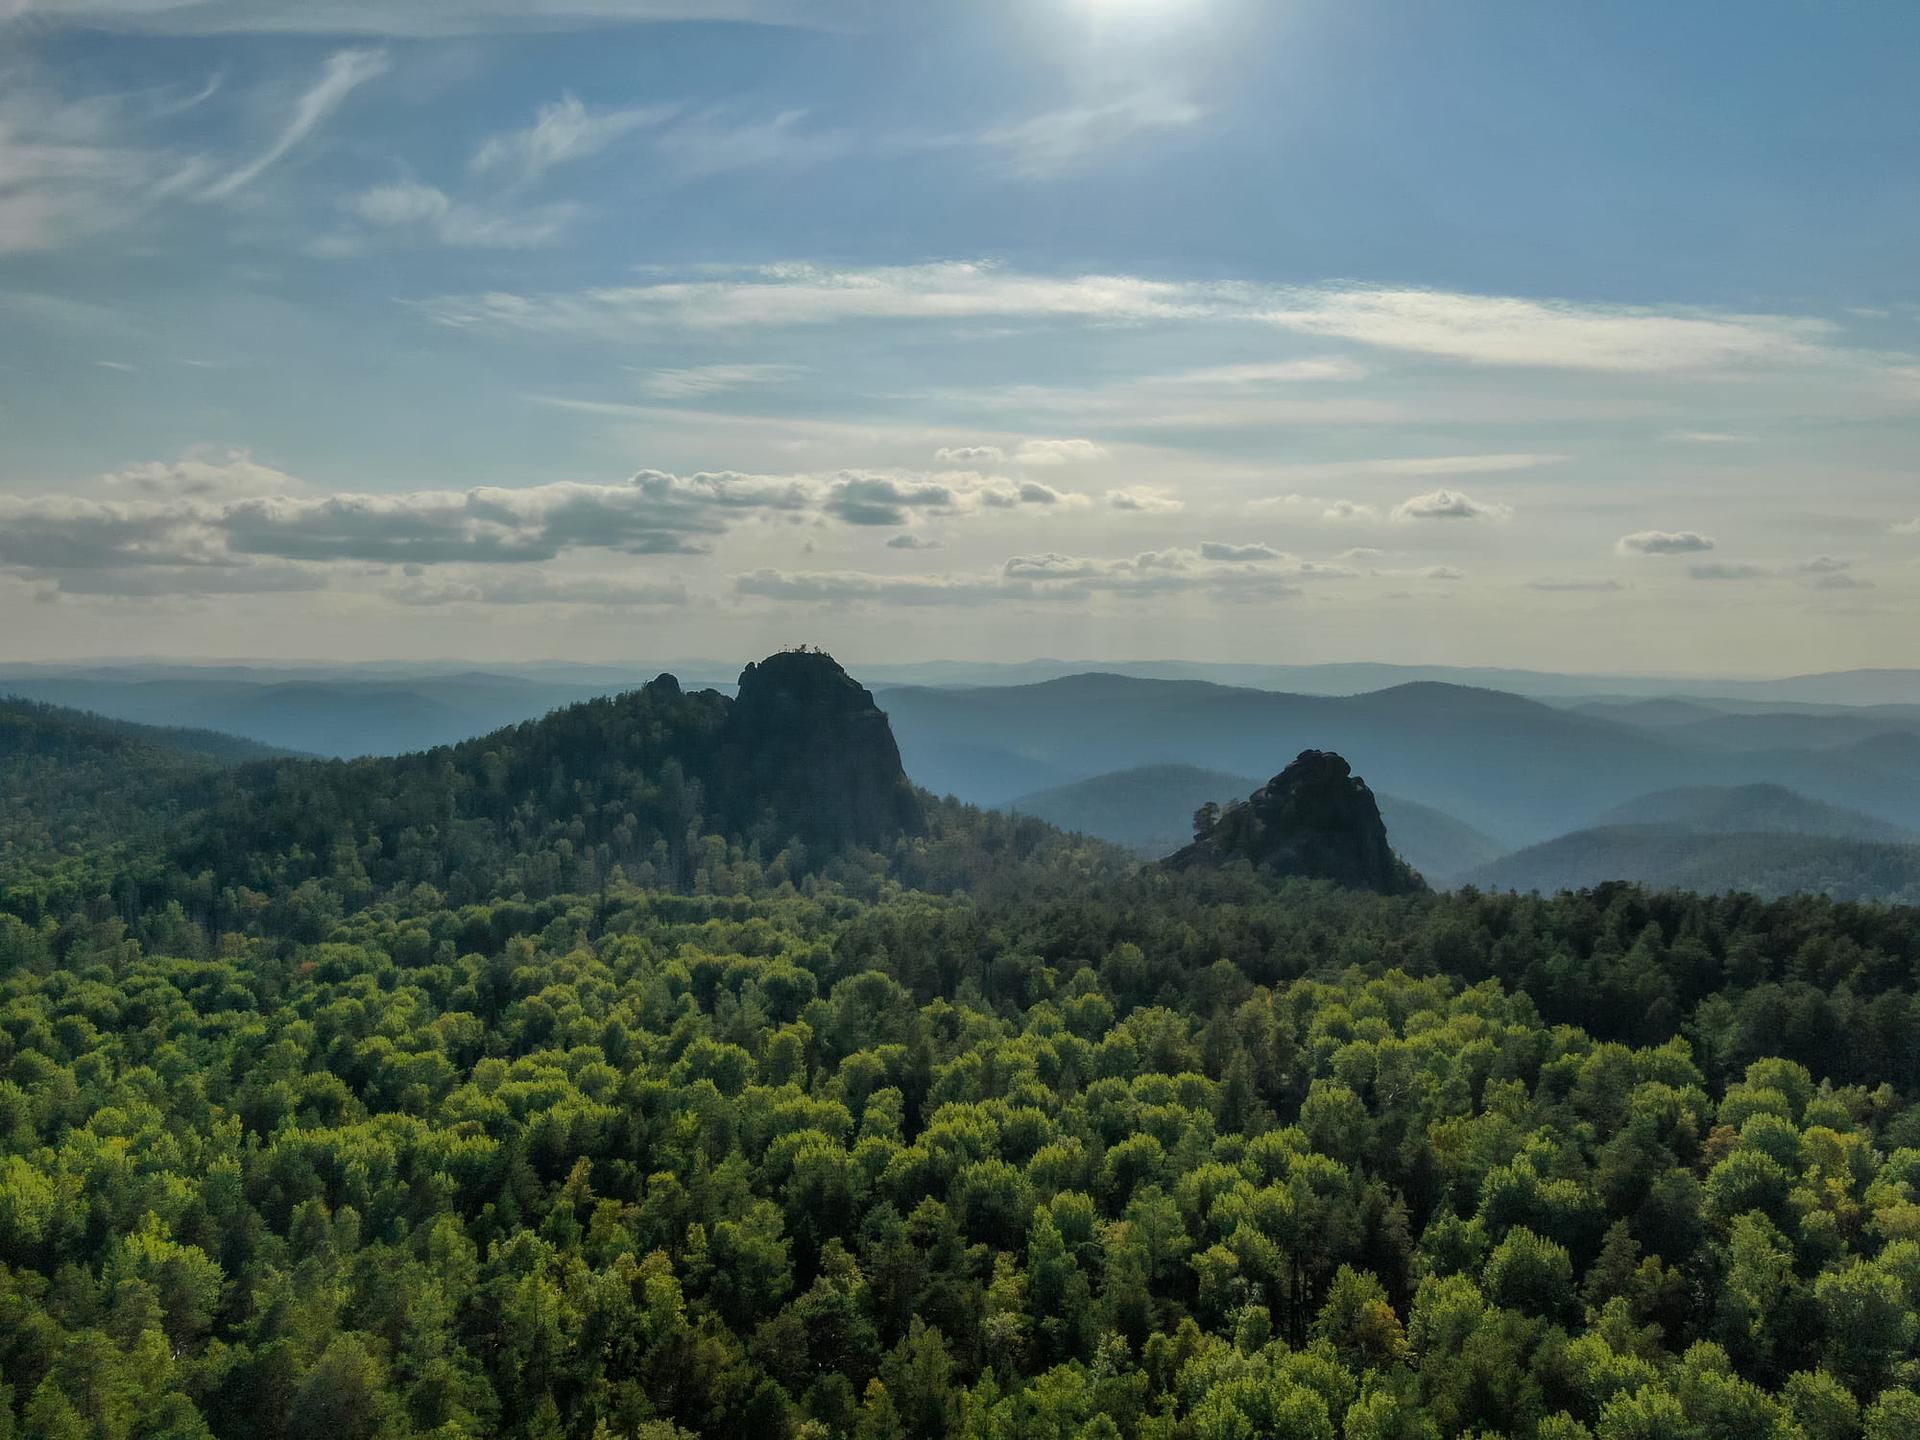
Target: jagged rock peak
<point>663,686</point>
<point>1315,819</point>
<point>805,740</point>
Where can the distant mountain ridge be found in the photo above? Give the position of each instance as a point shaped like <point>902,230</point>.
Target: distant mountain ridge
<point>1516,769</point>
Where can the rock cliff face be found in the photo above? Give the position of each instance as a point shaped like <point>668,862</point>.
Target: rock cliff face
<point>804,744</point>
<point>1314,819</point>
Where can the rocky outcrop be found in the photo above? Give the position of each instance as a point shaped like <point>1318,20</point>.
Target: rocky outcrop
<point>805,749</point>
<point>1314,819</point>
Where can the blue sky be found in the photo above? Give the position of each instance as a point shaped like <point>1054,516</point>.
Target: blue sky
<point>1573,336</point>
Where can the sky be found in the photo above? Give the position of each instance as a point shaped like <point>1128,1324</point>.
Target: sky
<point>1575,337</point>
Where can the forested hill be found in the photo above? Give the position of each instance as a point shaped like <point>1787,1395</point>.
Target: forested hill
<point>800,764</point>
<point>657,785</point>
<point>70,780</point>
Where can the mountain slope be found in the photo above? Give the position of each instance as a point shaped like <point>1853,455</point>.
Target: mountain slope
<point>1672,857</point>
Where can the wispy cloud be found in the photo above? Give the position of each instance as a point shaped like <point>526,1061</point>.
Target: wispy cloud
<point>717,141</point>
<point>1548,334</point>
<point>408,207</point>
<point>1480,330</point>
<point>1056,140</point>
<point>72,167</point>
<point>561,133</point>
<point>692,382</point>
<point>800,294</point>
<point>399,19</point>
<point>1555,585</point>
<point>344,72</point>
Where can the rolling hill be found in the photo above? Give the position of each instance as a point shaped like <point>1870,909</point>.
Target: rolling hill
<point>1728,809</point>
<point>1675,857</point>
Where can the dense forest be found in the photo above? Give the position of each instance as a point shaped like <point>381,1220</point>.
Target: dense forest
<point>550,1086</point>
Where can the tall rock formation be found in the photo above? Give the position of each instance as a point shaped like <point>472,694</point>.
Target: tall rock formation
<point>805,746</point>
<point>1314,819</point>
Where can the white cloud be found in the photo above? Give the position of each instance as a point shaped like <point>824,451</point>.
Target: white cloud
<point>1046,144</point>
<point>203,473</point>
<point>1145,499</point>
<point>1707,437</point>
<point>906,540</point>
<point>222,511</point>
<point>1058,452</point>
<point>880,498</point>
<point>970,455</point>
<point>1664,542</point>
<point>1449,505</point>
<point>561,133</point>
<point>344,72</point>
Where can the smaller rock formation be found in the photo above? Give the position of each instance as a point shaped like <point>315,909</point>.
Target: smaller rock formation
<point>1314,819</point>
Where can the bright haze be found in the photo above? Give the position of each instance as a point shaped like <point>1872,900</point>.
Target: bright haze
<point>1577,337</point>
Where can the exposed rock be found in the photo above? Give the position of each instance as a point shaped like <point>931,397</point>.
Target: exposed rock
<point>805,745</point>
<point>1314,819</point>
